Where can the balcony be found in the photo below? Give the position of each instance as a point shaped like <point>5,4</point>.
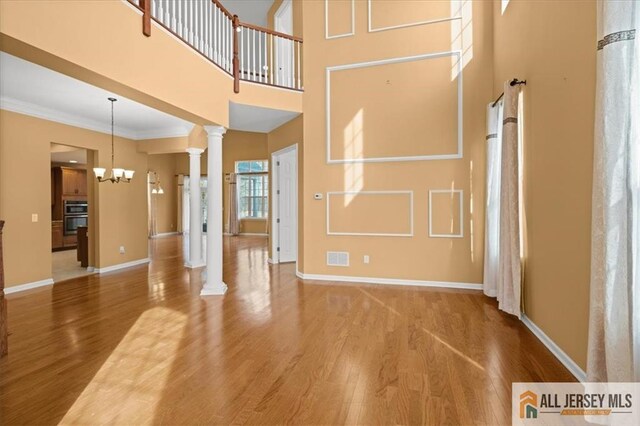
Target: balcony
<point>244,51</point>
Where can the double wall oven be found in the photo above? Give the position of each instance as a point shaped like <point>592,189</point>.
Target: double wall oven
<point>75,214</point>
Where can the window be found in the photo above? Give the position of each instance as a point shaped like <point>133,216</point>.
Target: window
<point>253,189</point>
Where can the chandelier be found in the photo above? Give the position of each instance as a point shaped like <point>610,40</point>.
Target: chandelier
<point>117,175</point>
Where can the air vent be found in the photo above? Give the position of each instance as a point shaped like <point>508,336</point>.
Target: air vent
<point>337,258</point>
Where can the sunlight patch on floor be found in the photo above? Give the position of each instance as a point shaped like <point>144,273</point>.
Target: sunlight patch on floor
<point>132,380</point>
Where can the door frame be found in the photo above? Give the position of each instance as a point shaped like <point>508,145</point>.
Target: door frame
<point>274,184</point>
<point>285,7</point>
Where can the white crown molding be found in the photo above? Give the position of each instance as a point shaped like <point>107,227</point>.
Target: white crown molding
<point>561,355</point>
<point>28,286</point>
<point>123,265</point>
<point>45,113</point>
<point>389,281</point>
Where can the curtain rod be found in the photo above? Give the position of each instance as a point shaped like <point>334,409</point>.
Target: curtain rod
<point>513,82</point>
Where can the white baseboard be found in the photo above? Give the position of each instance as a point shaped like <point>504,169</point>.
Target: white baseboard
<point>28,286</point>
<point>165,234</point>
<point>389,281</point>
<point>577,372</point>
<point>270,260</point>
<point>122,266</point>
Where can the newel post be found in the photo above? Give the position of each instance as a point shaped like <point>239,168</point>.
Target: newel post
<point>146,17</point>
<point>236,60</point>
<point>4,331</point>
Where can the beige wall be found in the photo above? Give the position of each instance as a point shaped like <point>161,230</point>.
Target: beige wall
<point>159,71</point>
<point>165,205</point>
<point>284,136</point>
<point>398,120</point>
<point>25,189</point>
<point>557,58</point>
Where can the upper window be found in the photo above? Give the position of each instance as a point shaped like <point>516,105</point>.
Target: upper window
<point>253,189</point>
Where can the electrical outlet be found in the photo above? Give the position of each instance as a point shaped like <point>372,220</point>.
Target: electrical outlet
<point>121,249</point>
<point>34,217</point>
<point>366,258</point>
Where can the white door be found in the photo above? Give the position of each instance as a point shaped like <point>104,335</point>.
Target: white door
<point>283,23</point>
<point>286,211</point>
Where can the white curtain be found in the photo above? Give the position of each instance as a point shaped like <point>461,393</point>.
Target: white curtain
<point>233,224</point>
<point>614,323</point>
<point>503,250</point>
<point>492,215</point>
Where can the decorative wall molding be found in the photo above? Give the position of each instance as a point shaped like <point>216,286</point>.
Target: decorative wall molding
<point>413,24</point>
<point>457,155</point>
<point>49,114</point>
<point>119,266</point>
<point>389,281</point>
<point>410,193</point>
<point>461,205</point>
<point>565,359</point>
<point>326,22</point>
<point>28,286</point>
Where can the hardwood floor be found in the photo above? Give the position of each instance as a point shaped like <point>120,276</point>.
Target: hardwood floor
<point>141,346</point>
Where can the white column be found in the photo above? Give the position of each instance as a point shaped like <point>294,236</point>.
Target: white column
<point>214,284</point>
<point>195,217</point>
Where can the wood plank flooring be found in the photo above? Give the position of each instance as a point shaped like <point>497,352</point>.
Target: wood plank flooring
<point>141,346</point>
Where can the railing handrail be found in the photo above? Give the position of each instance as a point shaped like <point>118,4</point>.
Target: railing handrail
<point>272,32</point>
<point>221,43</point>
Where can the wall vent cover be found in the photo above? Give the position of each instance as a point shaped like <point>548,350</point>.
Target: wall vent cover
<point>337,258</point>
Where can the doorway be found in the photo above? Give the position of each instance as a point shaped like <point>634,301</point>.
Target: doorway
<point>284,193</point>
<point>283,23</point>
<point>72,209</point>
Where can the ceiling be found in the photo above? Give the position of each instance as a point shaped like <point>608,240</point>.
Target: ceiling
<point>34,90</point>
<point>249,11</point>
<point>67,154</point>
<point>256,119</point>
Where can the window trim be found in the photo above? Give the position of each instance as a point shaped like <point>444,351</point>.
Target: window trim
<point>265,190</point>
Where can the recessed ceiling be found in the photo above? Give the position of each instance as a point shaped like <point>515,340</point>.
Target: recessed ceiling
<point>68,154</point>
<point>31,89</point>
<point>250,118</point>
<point>249,11</point>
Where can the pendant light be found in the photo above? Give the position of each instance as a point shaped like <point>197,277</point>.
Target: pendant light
<point>117,175</point>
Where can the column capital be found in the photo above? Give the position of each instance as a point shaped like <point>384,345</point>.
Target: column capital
<point>195,151</point>
<point>215,130</point>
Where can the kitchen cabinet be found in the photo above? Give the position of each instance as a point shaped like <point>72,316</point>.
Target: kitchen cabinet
<point>74,181</point>
<point>66,184</point>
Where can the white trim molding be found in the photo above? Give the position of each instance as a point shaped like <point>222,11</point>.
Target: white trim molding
<point>561,355</point>
<point>457,155</point>
<point>125,265</point>
<point>412,24</point>
<point>371,234</point>
<point>461,214</point>
<point>165,234</point>
<point>28,286</point>
<point>389,281</point>
<point>326,22</point>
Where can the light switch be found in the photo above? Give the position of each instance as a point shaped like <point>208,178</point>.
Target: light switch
<point>34,217</point>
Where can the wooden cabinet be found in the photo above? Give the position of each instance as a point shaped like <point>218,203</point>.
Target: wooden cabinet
<point>56,235</point>
<point>66,184</point>
<point>74,181</point>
